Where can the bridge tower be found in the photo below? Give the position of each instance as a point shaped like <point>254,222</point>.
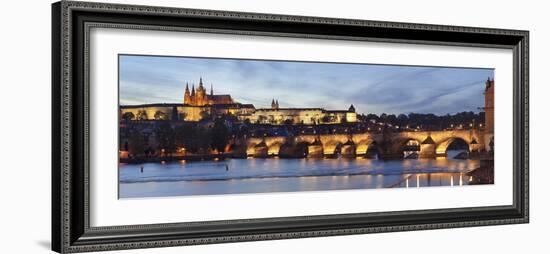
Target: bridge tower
<point>489,105</point>
<point>489,114</point>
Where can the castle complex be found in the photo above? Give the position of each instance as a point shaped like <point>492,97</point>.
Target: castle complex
<point>198,104</point>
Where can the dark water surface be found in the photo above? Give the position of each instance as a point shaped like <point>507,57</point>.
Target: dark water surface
<point>255,175</point>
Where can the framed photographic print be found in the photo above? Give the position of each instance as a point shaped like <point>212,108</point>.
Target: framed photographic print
<point>181,126</point>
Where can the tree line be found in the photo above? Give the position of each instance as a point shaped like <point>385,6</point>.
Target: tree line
<point>168,138</point>
<point>417,119</point>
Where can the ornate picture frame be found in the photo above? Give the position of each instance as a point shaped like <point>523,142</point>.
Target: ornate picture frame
<point>71,229</point>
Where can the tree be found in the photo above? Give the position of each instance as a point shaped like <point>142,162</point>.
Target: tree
<point>165,137</point>
<point>392,119</point>
<point>220,135</point>
<point>136,143</point>
<point>402,119</point>
<point>159,115</point>
<point>183,134</point>
<point>194,138</point>
<point>262,119</point>
<point>373,117</point>
<point>141,115</point>
<point>128,116</point>
<point>313,120</point>
<point>343,120</point>
<point>182,116</point>
<point>205,115</point>
<point>288,121</point>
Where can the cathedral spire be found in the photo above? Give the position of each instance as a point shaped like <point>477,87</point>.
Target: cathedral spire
<point>211,89</point>
<point>193,90</point>
<point>187,95</point>
<point>200,82</point>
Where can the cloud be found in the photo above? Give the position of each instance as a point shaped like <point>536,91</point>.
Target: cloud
<point>371,88</point>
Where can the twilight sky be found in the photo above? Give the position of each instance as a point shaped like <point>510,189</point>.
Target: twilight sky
<point>370,88</point>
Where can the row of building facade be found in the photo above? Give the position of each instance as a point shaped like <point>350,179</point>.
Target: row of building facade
<point>198,104</point>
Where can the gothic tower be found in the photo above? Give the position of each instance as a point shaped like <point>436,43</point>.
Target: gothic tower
<point>489,105</point>
<point>193,99</point>
<point>187,96</point>
<point>201,99</point>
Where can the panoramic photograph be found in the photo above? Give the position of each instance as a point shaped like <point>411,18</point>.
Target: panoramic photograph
<point>217,126</point>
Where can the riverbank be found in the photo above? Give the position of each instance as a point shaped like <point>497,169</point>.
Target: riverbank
<point>484,174</point>
<point>192,157</point>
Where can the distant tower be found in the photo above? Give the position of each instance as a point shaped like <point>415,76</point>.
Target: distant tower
<point>211,89</point>
<point>277,104</point>
<point>351,108</point>
<point>273,105</point>
<point>187,96</point>
<point>489,105</point>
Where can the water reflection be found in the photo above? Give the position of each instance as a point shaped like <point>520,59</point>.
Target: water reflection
<point>282,175</point>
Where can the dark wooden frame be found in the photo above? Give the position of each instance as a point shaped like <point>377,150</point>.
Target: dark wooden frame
<point>71,22</point>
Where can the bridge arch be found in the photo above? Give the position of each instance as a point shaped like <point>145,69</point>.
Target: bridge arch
<point>274,148</point>
<point>348,149</point>
<point>442,147</point>
<point>293,150</point>
<point>257,149</point>
<point>315,149</point>
<point>332,147</point>
<point>365,147</point>
<point>403,144</point>
<point>410,148</point>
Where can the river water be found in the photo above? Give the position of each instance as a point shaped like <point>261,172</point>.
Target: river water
<point>253,175</point>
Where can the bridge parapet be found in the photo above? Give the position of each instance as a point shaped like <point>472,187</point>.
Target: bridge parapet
<point>431,143</point>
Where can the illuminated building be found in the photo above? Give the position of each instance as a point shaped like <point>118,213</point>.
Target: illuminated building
<point>198,104</point>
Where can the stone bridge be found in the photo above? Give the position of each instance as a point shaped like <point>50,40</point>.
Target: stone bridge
<point>428,144</point>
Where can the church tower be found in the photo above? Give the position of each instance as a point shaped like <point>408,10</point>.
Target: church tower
<point>193,94</point>
<point>201,94</point>
<point>187,96</point>
<point>489,105</point>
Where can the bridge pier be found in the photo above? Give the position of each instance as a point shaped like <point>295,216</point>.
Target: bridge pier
<point>427,151</point>
<point>444,154</point>
<point>474,147</point>
<point>348,151</point>
<point>315,151</point>
<point>390,156</point>
<point>260,153</point>
<point>293,151</point>
<point>259,150</point>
